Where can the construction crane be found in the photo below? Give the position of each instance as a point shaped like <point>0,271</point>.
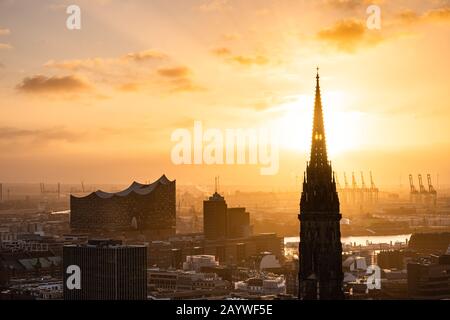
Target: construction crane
<point>423,191</point>
<point>363,187</point>
<point>431,190</point>
<point>413,190</point>
<point>354,187</point>
<point>421,186</point>
<point>42,187</point>
<point>373,189</point>
<point>354,184</point>
<point>345,181</point>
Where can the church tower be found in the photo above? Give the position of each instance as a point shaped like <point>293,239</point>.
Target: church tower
<point>320,248</point>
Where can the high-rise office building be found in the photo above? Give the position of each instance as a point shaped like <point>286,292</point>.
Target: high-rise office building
<point>221,222</point>
<point>215,217</point>
<point>320,248</point>
<point>108,271</point>
<point>238,223</point>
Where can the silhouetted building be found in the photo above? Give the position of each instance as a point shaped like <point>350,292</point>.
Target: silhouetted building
<point>19,264</point>
<point>320,248</point>
<point>221,222</point>
<point>429,242</point>
<point>238,223</point>
<point>242,251</point>
<point>148,208</point>
<point>429,278</point>
<point>109,271</point>
<point>391,259</point>
<point>215,217</point>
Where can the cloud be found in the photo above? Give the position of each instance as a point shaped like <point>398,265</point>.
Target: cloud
<point>214,5</point>
<point>129,87</point>
<point>344,4</point>
<point>243,60</point>
<point>38,135</point>
<point>250,60</point>
<point>348,36</point>
<point>407,17</point>
<point>5,46</point>
<point>4,32</point>
<point>436,15</point>
<point>43,84</point>
<point>185,85</point>
<point>174,72</point>
<point>147,55</point>
<point>222,51</point>
<point>99,64</point>
<point>179,79</point>
<point>412,18</point>
<point>132,72</point>
<point>230,36</point>
<point>351,4</point>
<point>77,65</point>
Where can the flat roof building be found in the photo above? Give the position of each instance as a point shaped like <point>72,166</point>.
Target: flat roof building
<point>108,271</point>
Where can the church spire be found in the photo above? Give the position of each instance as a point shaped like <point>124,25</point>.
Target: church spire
<point>319,156</point>
<point>320,248</point>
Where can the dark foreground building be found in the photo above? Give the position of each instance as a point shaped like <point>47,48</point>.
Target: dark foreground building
<point>429,278</point>
<point>320,248</point>
<point>147,208</point>
<point>109,271</point>
<point>221,222</point>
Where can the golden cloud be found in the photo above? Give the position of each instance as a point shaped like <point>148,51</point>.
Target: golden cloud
<point>95,64</point>
<point>348,36</point>
<point>430,16</point>
<point>250,60</point>
<point>129,87</point>
<point>5,46</point>
<point>244,60</point>
<point>214,5</point>
<point>43,84</point>
<point>125,73</point>
<point>440,14</point>
<point>222,51</point>
<point>147,55</point>
<point>174,72</point>
<point>38,136</point>
<point>351,4</point>
<point>230,36</point>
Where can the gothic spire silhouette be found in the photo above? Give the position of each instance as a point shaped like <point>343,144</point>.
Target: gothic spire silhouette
<point>319,157</point>
<point>320,248</point>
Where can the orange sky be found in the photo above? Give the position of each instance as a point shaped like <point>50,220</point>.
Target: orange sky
<point>100,104</point>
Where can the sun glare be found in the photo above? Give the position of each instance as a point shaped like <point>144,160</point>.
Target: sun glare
<point>295,124</point>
